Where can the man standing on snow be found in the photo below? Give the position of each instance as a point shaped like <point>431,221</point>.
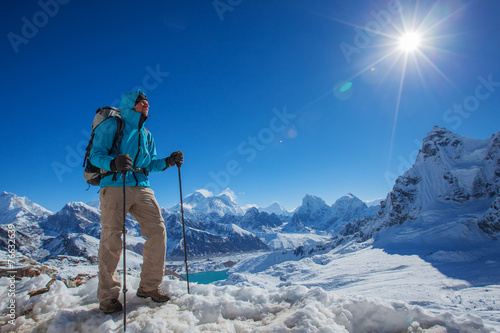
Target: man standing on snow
<point>137,157</point>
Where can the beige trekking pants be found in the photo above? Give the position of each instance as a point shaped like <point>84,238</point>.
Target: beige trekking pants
<point>142,205</point>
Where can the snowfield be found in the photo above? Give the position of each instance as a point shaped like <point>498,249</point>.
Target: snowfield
<point>446,282</point>
<point>357,288</point>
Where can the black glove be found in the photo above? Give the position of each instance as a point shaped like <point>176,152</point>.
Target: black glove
<point>121,163</point>
<point>176,158</point>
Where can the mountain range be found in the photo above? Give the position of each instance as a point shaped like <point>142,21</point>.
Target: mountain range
<point>451,193</point>
<point>214,225</point>
<point>448,200</point>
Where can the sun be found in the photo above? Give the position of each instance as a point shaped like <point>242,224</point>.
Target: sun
<point>409,41</point>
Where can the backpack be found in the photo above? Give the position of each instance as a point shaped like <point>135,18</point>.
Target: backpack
<point>93,174</point>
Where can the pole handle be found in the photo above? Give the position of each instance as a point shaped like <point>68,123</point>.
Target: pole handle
<point>178,164</point>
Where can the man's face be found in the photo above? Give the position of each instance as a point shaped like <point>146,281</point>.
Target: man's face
<point>142,107</point>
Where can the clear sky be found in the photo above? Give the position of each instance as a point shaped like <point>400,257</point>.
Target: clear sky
<point>272,99</point>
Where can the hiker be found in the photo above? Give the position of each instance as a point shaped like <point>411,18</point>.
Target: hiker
<point>137,156</point>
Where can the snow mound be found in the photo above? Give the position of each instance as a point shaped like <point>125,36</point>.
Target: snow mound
<point>220,309</point>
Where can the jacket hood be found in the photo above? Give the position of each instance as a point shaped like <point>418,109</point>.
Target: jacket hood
<point>127,104</point>
<point>128,100</point>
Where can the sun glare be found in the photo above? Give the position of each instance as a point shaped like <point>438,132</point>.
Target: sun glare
<point>409,42</point>
<point>406,42</point>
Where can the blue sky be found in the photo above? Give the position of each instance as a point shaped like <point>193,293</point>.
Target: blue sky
<point>272,99</point>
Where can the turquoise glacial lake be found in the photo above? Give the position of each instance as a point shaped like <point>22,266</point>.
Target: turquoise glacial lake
<point>207,277</point>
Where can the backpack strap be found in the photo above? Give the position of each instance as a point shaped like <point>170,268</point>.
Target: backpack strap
<point>89,147</point>
<point>120,126</point>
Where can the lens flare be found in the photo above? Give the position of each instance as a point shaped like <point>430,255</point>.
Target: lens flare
<point>346,87</point>
<point>409,41</point>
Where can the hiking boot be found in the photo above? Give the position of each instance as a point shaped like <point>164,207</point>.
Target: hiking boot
<point>156,295</point>
<point>111,306</point>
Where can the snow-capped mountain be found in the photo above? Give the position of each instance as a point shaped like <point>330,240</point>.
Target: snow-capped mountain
<point>268,227</point>
<point>314,215</point>
<point>22,212</point>
<point>255,221</point>
<point>490,222</point>
<point>208,236</point>
<point>276,208</point>
<point>73,244</point>
<point>372,203</point>
<point>244,240</point>
<point>28,243</point>
<point>451,194</point>
<point>448,197</point>
<point>14,208</point>
<point>207,244</point>
<point>74,217</point>
<point>200,202</point>
<point>42,234</point>
<point>77,217</point>
<point>348,208</point>
<point>26,216</point>
<point>210,239</point>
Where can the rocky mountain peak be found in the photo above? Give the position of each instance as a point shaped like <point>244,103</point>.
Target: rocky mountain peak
<point>12,202</point>
<point>441,139</point>
<point>275,208</point>
<point>198,202</point>
<point>451,185</point>
<point>311,202</point>
<point>348,201</point>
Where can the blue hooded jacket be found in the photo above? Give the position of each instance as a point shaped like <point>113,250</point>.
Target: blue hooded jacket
<point>137,143</point>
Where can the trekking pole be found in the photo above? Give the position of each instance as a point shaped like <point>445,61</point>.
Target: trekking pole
<point>183,228</point>
<point>124,173</point>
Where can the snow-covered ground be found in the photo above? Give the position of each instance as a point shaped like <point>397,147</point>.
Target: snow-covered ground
<point>357,288</point>
<point>361,269</point>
